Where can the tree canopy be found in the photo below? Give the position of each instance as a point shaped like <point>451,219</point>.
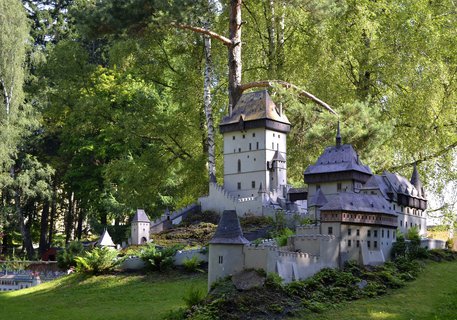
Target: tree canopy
<point>103,107</point>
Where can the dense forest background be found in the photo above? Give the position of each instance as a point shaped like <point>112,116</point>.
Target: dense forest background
<point>103,104</point>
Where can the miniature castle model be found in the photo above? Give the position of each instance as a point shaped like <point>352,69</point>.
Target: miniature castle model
<point>356,213</point>
<point>255,166</point>
<point>140,228</point>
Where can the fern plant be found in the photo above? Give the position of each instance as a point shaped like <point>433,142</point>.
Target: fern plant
<point>97,261</point>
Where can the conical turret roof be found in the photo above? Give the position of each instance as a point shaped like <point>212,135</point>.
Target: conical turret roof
<point>105,240</point>
<point>415,181</point>
<point>229,230</point>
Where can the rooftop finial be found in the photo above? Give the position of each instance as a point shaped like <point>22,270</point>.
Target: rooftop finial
<point>338,136</point>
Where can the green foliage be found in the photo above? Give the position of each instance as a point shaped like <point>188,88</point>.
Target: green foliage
<point>158,259</point>
<point>194,297</point>
<point>97,261</point>
<point>273,280</point>
<point>450,244</point>
<point>192,264</point>
<point>282,236</point>
<point>67,257</point>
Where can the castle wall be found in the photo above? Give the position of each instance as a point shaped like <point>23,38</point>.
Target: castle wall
<point>224,260</point>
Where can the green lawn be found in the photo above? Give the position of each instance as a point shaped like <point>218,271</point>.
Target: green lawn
<point>432,296</point>
<point>103,297</point>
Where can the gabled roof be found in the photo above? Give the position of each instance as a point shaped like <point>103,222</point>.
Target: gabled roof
<point>140,216</point>
<point>338,159</point>
<point>105,240</point>
<point>255,106</point>
<point>318,199</point>
<point>358,202</point>
<point>400,184</point>
<point>229,230</point>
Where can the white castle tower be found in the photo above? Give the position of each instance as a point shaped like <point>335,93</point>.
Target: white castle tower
<point>140,228</point>
<point>255,149</point>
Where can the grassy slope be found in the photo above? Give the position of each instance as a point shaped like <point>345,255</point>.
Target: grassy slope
<point>432,296</point>
<point>104,297</point>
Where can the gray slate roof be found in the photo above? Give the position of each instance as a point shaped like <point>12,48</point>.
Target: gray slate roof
<point>416,181</point>
<point>254,106</point>
<point>229,230</point>
<point>400,184</point>
<point>140,216</point>
<point>338,159</point>
<point>358,202</point>
<point>278,157</point>
<point>318,199</point>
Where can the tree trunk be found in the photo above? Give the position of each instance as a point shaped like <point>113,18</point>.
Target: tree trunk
<point>272,39</point>
<point>209,110</point>
<point>70,217</point>
<point>44,228</point>
<point>79,230</point>
<point>25,232</point>
<point>53,214</point>
<point>234,54</point>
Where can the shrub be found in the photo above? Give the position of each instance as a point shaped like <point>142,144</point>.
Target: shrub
<point>66,258</point>
<point>450,244</point>
<point>192,264</point>
<point>97,261</point>
<point>273,280</point>
<point>194,297</point>
<point>282,236</point>
<point>158,259</point>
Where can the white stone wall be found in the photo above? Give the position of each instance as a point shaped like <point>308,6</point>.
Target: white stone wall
<point>140,230</point>
<point>252,148</point>
<point>224,260</point>
<point>329,188</point>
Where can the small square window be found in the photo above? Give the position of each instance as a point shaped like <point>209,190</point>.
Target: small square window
<point>349,243</point>
<point>239,149</point>
<point>253,134</point>
<point>375,233</point>
<point>257,145</point>
<point>375,244</point>
<point>244,136</point>
<point>357,232</point>
<point>330,230</point>
<point>250,146</point>
<point>221,259</point>
<point>273,135</point>
<point>253,184</point>
<point>233,138</point>
<point>368,244</point>
<point>349,231</point>
<point>239,185</point>
<point>369,233</point>
<point>358,243</point>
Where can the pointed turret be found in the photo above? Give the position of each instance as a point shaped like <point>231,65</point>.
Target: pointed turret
<point>338,135</point>
<point>229,230</point>
<point>415,181</point>
<point>105,240</point>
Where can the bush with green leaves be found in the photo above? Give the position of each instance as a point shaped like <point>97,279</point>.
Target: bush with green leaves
<point>192,264</point>
<point>97,261</point>
<point>158,259</point>
<point>194,297</point>
<point>282,236</point>
<point>67,258</point>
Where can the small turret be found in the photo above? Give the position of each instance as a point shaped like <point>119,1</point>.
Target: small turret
<point>140,228</point>
<point>416,182</point>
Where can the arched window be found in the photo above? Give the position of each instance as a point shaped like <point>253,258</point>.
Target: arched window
<point>239,165</point>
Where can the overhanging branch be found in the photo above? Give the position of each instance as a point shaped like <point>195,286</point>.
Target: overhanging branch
<point>428,157</point>
<point>287,85</point>
<point>212,34</point>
